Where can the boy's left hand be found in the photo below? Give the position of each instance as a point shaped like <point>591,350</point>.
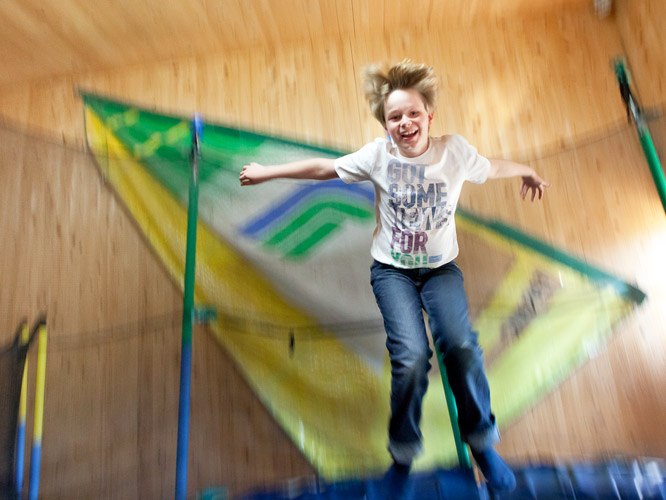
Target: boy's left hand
<point>534,183</point>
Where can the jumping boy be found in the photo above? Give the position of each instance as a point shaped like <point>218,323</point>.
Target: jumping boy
<point>417,180</point>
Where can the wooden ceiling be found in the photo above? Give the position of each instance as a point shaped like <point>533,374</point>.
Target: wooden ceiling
<point>45,38</point>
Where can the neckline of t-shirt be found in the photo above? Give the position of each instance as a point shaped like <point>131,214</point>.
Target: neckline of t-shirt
<point>414,158</point>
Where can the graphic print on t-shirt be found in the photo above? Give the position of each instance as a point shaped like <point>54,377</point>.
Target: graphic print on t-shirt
<point>418,206</point>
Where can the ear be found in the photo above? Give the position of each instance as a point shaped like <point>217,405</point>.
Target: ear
<point>430,117</point>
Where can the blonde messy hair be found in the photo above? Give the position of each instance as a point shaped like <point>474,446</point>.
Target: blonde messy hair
<point>379,82</point>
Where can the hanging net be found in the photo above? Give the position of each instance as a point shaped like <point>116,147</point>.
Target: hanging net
<point>286,265</point>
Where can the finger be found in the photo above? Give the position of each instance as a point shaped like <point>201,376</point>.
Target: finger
<point>534,191</point>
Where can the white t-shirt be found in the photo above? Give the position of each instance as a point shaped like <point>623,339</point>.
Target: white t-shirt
<point>415,198</point>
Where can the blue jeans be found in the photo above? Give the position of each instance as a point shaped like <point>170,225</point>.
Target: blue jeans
<point>402,295</point>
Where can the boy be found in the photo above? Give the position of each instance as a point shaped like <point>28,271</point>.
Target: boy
<point>417,181</point>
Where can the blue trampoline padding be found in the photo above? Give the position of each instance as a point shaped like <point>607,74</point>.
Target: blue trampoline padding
<point>615,480</point>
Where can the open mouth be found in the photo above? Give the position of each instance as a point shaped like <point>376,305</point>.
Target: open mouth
<point>409,135</point>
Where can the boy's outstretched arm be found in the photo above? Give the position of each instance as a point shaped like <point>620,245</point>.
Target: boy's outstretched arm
<point>531,181</point>
<point>314,168</point>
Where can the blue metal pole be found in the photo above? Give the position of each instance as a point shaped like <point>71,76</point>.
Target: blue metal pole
<point>188,316</point>
<point>23,412</point>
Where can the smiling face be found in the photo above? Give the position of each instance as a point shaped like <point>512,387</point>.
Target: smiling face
<point>407,122</point>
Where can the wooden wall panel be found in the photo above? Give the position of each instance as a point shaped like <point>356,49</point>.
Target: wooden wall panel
<point>511,86</point>
<point>640,23</point>
<point>43,38</point>
<point>114,324</point>
<point>525,88</point>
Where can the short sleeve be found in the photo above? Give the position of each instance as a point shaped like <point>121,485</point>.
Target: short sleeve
<point>358,166</point>
<point>477,167</point>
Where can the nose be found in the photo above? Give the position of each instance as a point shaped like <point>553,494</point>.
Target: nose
<point>405,121</point>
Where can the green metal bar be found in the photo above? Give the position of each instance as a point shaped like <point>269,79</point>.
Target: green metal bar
<point>461,447</point>
<point>653,162</point>
<point>633,109</point>
<point>190,259</point>
<point>189,316</point>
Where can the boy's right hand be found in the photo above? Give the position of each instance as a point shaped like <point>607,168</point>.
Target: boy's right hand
<point>253,174</point>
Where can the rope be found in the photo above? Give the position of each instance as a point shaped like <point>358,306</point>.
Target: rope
<point>653,113</point>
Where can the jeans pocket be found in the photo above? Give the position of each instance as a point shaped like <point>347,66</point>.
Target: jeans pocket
<point>375,267</point>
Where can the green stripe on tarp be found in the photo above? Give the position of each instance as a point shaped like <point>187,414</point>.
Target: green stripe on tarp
<point>105,107</point>
<point>162,143</point>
